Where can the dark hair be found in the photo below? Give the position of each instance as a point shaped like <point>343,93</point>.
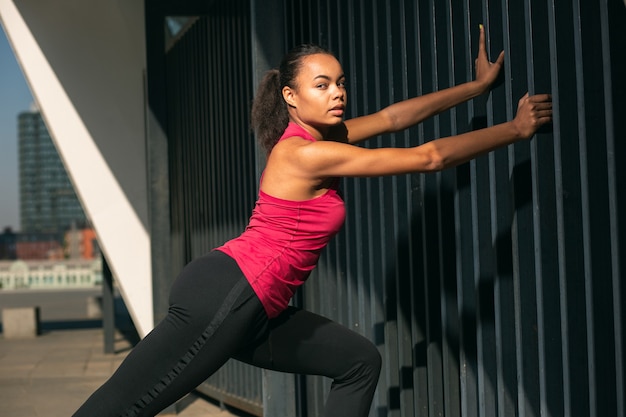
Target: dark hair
<point>269,115</point>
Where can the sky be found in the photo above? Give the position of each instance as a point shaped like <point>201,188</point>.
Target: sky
<point>15,97</point>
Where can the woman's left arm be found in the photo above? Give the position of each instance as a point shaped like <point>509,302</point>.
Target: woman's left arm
<point>407,113</point>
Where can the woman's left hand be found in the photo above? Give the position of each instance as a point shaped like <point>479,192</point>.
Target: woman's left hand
<point>486,71</point>
<point>532,113</point>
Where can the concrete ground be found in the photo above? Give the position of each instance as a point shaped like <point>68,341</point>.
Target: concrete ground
<point>53,373</point>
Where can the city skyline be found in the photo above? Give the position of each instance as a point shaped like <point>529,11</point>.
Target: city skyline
<point>15,97</point>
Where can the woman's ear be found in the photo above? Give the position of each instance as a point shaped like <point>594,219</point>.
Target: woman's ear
<point>288,96</point>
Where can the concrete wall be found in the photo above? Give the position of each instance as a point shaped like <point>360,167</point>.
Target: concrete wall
<point>85,65</point>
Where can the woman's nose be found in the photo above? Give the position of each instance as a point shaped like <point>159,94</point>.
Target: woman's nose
<point>338,91</point>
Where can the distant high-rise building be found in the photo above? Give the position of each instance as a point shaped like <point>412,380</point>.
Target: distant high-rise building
<point>48,203</point>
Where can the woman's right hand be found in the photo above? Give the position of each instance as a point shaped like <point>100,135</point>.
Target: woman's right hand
<point>532,113</point>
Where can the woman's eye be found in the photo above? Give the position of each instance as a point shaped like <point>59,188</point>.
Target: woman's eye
<point>322,85</point>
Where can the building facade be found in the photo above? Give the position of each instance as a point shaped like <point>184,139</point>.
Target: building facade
<point>81,244</point>
<point>48,203</point>
<point>73,244</point>
<point>59,274</point>
<point>39,246</point>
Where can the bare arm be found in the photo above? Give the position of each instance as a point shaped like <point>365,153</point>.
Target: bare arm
<point>407,113</point>
<point>327,159</point>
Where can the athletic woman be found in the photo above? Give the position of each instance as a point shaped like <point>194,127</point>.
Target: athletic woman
<point>233,302</point>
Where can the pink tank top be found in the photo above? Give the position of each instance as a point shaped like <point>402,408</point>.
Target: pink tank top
<point>284,239</point>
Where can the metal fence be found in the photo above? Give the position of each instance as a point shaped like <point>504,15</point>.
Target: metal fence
<point>491,289</point>
<point>212,156</point>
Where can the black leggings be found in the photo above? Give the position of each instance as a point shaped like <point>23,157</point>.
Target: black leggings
<point>214,315</point>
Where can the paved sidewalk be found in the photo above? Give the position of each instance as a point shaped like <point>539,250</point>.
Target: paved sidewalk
<point>52,374</point>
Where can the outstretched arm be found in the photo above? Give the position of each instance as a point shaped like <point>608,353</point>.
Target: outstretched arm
<point>407,113</point>
<point>328,159</point>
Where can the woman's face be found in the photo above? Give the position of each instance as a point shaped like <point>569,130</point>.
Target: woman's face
<point>319,97</point>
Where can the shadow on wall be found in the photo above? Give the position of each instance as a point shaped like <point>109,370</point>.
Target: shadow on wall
<point>457,320</point>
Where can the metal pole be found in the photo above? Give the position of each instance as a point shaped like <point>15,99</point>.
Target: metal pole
<point>108,308</point>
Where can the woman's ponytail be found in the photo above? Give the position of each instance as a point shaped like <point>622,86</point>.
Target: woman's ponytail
<point>269,115</point>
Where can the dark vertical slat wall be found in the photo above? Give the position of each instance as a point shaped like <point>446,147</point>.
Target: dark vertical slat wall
<point>494,288</point>
<point>491,289</point>
<point>212,157</point>
<point>211,148</point>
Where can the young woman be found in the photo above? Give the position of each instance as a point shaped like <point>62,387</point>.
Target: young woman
<point>232,303</point>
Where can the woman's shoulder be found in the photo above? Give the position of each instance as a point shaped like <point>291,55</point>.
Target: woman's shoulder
<point>288,149</point>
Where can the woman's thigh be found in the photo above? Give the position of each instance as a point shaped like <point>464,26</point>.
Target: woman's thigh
<point>302,342</point>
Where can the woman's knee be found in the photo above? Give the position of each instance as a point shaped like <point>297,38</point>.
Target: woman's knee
<point>372,360</point>
<point>366,365</point>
